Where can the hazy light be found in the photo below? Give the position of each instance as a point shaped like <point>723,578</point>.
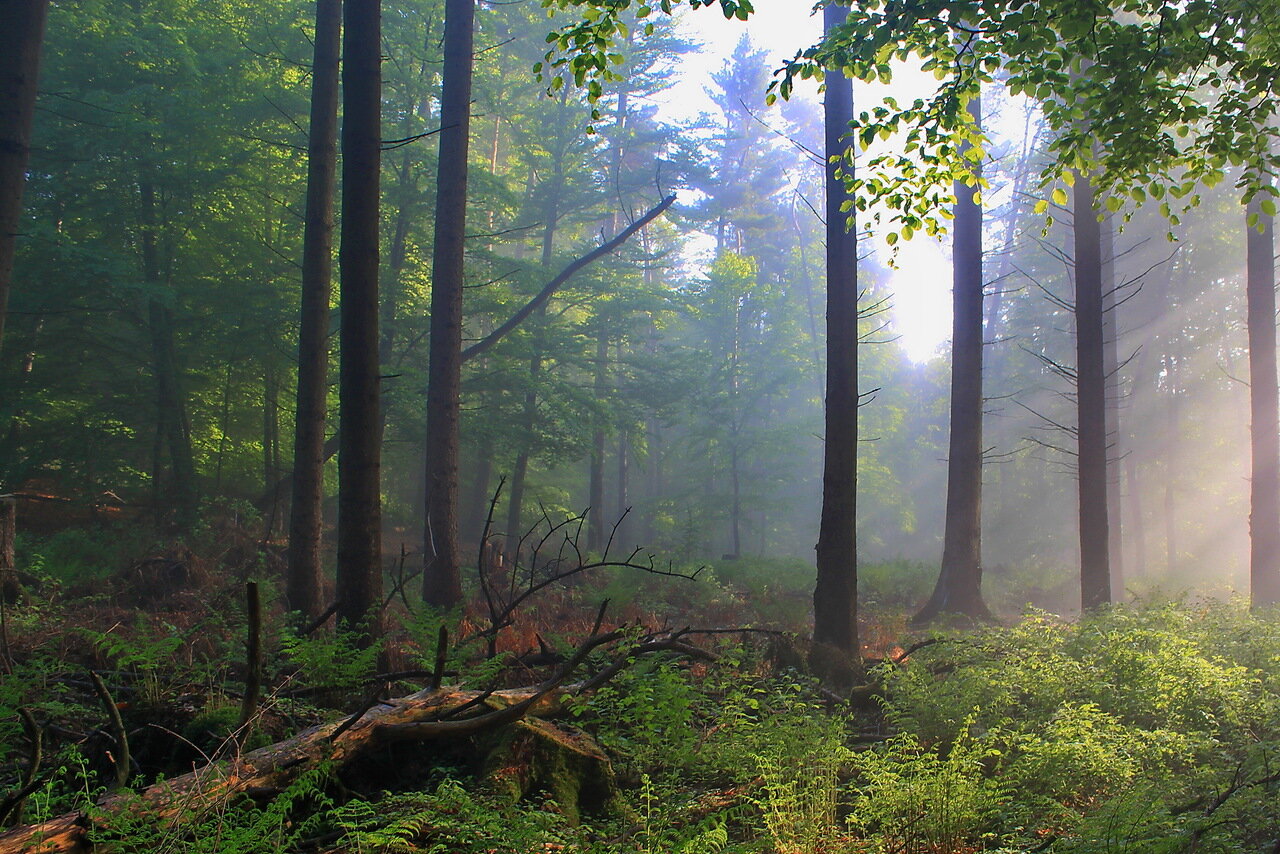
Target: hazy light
<point>921,282</point>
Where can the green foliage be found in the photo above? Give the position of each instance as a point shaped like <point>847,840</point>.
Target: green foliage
<point>237,827</point>
<point>1133,91</point>
<point>450,820</point>
<point>69,556</point>
<point>331,661</point>
<point>1108,727</point>
<point>148,651</point>
<point>647,715</point>
<point>917,799</point>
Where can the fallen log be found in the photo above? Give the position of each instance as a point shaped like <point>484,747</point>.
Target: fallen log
<point>425,715</point>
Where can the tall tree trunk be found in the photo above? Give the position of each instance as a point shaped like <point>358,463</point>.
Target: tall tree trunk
<point>21,37</point>
<point>306,513</point>
<point>1264,511</point>
<point>173,428</point>
<point>442,571</point>
<point>959,586</point>
<point>359,453</point>
<point>1091,400</point>
<point>835,656</point>
<point>1114,393</point>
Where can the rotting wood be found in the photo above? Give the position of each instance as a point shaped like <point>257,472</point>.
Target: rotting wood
<point>418,716</point>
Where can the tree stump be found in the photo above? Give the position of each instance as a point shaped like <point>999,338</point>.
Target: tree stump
<point>540,757</point>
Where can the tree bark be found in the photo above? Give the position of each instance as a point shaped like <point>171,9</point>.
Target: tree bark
<point>959,586</point>
<point>1091,401</point>
<point>1264,406</point>
<point>306,515</point>
<point>442,574</point>
<point>528,423</point>
<point>595,489</point>
<point>10,589</point>
<point>359,461</point>
<point>172,427</point>
<point>21,37</point>
<point>1114,393</point>
<point>835,596</point>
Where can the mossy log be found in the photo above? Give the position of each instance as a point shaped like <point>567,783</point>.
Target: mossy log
<point>262,773</point>
<point>568,766</point>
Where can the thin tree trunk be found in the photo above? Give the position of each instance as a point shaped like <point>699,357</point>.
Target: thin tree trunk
<point>1137,525</point>
<point>359,458</point>
<point>1172,475</point>
<point>303,578</point>
<point>1264,406</point>
<point>442,573</point>
<point>171,413</point>
<point>735,502</point>
<point>1091,400</point>
<point>835,598</point>
<point>528,422</point>
<point>271,439</point>
<point>595,498</point>
<point>959,586</point>
<point>21,37</point>
<point>623,487</point>
<point>478,513</point>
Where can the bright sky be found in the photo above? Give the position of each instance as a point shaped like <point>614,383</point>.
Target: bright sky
<point>922,281</point>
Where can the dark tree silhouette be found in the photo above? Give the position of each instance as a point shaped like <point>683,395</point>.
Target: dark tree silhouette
<point>1264,408</point>
<point>21,36</point>
<point>835,596</point>
<point>442,578</point>
<point>306,517</point>
<point>959,586</point>
<point>1091,399</point>
<point>359,436</point>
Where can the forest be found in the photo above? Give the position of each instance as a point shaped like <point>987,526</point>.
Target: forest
<point>494,426</point>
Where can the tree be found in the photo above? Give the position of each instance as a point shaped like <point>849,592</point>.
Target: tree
<point>1091,399</point>
<point>21,36</point>
<point>360,437</point>
<point>835,596</point>
<point>442,578</point>
<point>306,516</point>
<point>1264,428</point>
<point>959,586</point>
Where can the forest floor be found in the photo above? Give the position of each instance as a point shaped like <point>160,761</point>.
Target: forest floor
<point>678,718</point>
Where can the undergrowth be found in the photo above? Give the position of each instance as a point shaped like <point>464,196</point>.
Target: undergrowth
<point>1145,728</point>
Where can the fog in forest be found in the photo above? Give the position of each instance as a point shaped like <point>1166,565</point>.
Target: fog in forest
<point>675,385</point>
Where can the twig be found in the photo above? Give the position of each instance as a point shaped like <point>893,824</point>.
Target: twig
<point>119,733</point>
<point>320,620</point>
<point>373,700</point>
